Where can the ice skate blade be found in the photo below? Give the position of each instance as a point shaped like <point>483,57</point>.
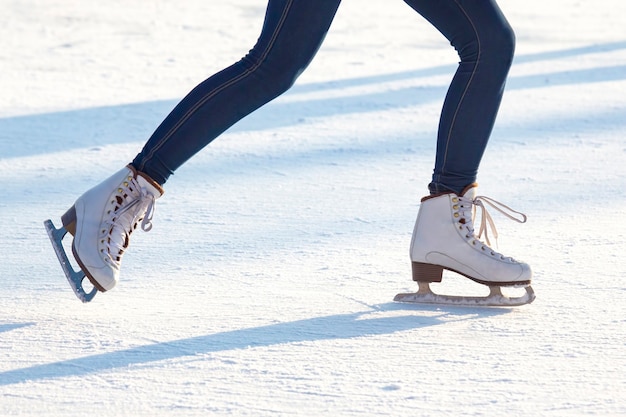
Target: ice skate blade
<point>495,298</point>
<point>73,277</point>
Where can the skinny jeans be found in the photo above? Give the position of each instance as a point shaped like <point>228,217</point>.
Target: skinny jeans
<point>292,33</point>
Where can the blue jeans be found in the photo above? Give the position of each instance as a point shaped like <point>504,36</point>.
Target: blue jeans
<point>293,32</point>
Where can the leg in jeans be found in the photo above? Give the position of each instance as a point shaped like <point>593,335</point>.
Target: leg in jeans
<point>444,237</point>
<point>103,218</point>
<point>485,43</point>
<point>292,33</point>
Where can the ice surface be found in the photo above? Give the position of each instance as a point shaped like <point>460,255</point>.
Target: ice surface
<point>266,285</point>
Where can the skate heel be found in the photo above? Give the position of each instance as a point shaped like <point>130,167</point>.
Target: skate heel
<point>423,272</point>
<point>69,220</point>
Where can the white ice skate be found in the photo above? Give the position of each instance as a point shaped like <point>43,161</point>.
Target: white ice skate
<point>101,221</point>
<point>444,238</point>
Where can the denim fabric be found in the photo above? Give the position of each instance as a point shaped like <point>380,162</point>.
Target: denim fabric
<point>292,33</point>
<point>485,42</point>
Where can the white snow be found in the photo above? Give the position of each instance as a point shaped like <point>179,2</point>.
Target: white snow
<point>265,286</point>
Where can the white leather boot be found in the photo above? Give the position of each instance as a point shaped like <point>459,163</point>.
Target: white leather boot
<point>102,220</point>
<point>444,238</point>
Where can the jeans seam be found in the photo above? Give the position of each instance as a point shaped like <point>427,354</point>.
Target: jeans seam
<point>469,82</point>
<point>220,88</point>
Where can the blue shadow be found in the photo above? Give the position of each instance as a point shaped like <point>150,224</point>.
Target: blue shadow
<point>335,327</point>
<point>94,127</point>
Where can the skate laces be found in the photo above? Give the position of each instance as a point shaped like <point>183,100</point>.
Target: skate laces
<point>132,203</point>
<point>486,221</point>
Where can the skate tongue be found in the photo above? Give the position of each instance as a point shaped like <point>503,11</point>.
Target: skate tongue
<point>149,185</point>
<point>470,191</point>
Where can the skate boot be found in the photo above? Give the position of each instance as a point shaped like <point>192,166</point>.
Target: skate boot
<point>444,238</point>
<point>101,221</point>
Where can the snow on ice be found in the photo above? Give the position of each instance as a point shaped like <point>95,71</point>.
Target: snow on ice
<point>266,285</point>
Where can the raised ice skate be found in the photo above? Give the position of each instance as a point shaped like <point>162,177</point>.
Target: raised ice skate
<point>101,221</point>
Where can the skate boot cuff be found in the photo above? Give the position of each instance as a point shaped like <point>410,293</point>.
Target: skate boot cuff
<point>464,192</point>
<point>154,186</point>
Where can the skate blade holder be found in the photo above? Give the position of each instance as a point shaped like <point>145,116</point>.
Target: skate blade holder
<point>496,298</point>
<point>75,278</point>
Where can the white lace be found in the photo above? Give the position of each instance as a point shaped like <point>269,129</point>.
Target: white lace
<point>130,205</point>
<point>486,221</point>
